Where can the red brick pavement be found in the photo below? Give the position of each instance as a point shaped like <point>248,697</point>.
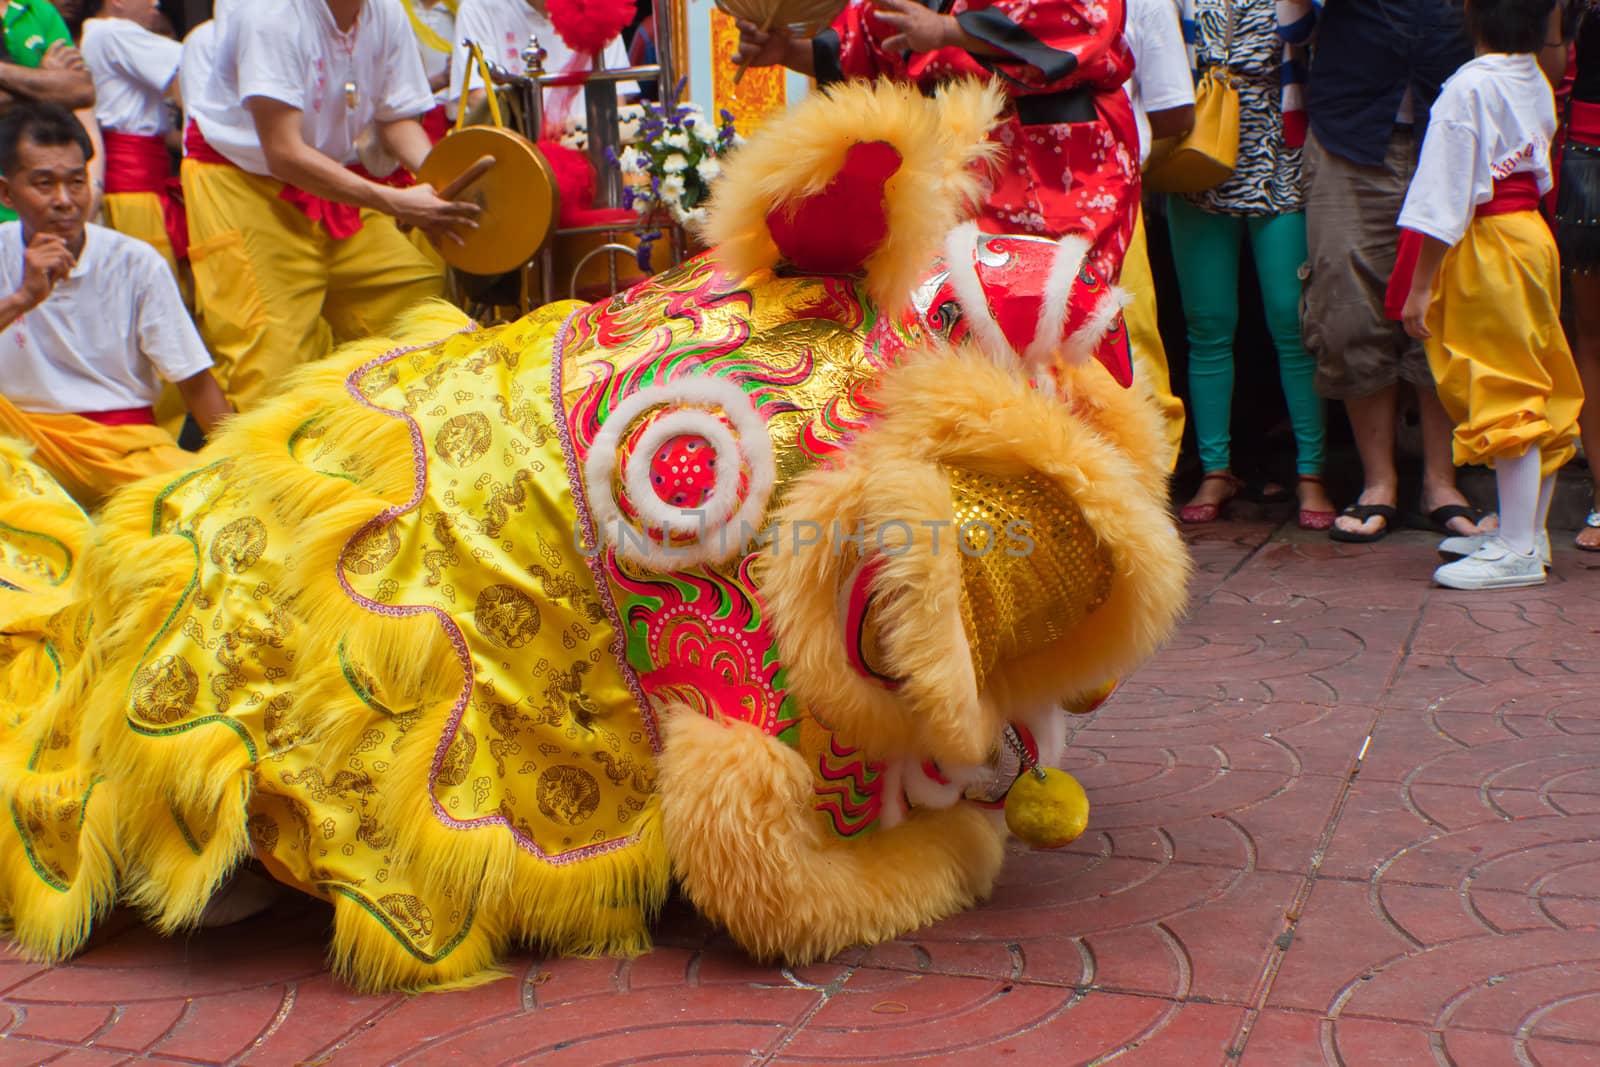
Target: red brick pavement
<point>1343,818</point>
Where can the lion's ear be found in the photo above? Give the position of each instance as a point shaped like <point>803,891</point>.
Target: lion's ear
<point>864,178</point>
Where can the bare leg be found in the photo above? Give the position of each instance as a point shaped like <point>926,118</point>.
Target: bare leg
<point>1372,421</point>
<point>1438,468</point>
<point>1586,352</point>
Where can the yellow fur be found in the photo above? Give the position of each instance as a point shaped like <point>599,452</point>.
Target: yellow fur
<point>1096,440</point>
<point>941,142</point>
<point>737,809</point>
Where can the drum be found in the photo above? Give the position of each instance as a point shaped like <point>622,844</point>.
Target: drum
<point>502,172</point>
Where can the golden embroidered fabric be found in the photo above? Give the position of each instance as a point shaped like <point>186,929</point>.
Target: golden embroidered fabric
<point>410,717</point>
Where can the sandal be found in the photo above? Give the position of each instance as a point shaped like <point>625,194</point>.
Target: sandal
<point>1199,514</point>
<point>1361,513</point>
<point>1439,518</point>
<point>1310,519</point>
<point>1590,523</point>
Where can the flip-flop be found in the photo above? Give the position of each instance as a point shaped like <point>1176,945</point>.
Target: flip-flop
<point>1361,513</point>
<point>1439,518</point>
<point>1590,523</point>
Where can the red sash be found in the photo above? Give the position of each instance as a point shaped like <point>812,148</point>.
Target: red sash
<point>138,163</point>
<point>340,220</point>
<point>121,417</point>
<point>436,124</point>
<point>1519,192</point>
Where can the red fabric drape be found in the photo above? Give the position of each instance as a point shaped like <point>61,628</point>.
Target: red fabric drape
<point>340,220</point>
<point>137,163</point>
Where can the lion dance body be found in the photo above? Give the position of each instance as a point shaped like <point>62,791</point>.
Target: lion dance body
<point>743,578</point>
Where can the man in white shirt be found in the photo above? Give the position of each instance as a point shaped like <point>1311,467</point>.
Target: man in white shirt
<point>92,325</point>
<point>501,28</point>
<point>1162,92</point>
<point>135,70</point>
<point>286,241</point>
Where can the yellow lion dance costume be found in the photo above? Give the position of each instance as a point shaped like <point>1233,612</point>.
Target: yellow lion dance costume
<point>759,576</point>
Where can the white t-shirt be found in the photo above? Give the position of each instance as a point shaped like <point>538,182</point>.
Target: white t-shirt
<point>106,337</point>
<point>199,53</point>
<point>442,21</point>
<point>132,69</point>
<point>291,51</point>
<point>1161,75</point>
<point>502,28</point>
<point>1494,118</point>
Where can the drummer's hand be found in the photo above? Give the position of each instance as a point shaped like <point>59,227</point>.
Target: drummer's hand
<point>758,48</point>
<point>441,220</point>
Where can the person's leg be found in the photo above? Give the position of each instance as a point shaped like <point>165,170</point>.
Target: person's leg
<point>1372,424</point>
<point>377,274</point>
<point>260,274</point>
<point>1586,352</point>
<point>1438,465</point>
<point>1350,240</point>
<point>1279,244</point>
<point>1144,338</point>
<point>1547,494</point>
<point>1516,480</point>
<point>1205,250</point>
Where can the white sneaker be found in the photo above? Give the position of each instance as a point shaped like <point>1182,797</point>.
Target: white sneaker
<point>1492,566</point>
<point>1467,544</point>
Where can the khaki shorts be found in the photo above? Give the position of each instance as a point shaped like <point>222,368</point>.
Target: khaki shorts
<point>1351,239</point>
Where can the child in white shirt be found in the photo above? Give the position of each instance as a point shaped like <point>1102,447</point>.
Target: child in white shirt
<point>1484,295</point>
<point>135,70</point>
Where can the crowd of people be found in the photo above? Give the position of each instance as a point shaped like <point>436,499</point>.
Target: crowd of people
<point>292,222</point>
<point>1326,183</point>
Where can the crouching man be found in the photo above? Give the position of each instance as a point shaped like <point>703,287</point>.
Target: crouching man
<point>93,322</point>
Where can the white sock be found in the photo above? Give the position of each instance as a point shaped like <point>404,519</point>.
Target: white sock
<point>1547,492</point>
<point>1517,481</point>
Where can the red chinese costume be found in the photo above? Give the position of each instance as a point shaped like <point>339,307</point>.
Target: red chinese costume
<point>1071,163</point>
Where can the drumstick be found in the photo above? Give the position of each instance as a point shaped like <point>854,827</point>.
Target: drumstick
<point>467,177</point>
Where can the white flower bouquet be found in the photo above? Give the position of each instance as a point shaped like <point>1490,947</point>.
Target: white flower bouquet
<point>671,165</point>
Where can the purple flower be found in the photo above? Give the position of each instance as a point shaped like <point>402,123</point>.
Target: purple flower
<point>647,241</point>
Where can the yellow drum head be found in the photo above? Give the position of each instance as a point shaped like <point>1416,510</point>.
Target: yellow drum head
<point>518,197</point>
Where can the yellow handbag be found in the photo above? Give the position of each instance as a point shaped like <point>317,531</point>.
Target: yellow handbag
<point>1205,156</point>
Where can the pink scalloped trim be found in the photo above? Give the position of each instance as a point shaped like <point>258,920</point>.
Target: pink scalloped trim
<point>591,550</point>
<point>458,641</point>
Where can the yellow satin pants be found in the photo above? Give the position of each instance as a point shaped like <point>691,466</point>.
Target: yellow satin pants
<point>88,459</point>
<point>1144,338</point>
<point>274,291</point>
<point>1498,353</point>
<point>139,215</point>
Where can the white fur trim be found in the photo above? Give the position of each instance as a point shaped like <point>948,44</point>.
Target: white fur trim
<point>960,252</point>
<point>1064,268</point>
<point>1049,728</point>
<point>924,792</point>
<point>1087,337</point>
<point>753,446</point>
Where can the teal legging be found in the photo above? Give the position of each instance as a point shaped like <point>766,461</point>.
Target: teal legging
<point>1205,249</point>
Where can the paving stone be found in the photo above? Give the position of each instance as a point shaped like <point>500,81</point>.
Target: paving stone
<point>1249,890</point>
